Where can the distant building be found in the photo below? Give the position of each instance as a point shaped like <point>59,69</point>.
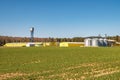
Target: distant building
<point>30,44</point>
<point>71,44</point>
<point>95,41</point>
<point>15,45</point>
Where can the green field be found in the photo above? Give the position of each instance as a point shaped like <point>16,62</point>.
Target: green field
<point>50,63</point>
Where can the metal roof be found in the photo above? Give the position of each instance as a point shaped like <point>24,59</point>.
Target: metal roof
<point>95,37</point>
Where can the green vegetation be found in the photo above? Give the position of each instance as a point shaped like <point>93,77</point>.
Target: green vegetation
<point>50,63</point>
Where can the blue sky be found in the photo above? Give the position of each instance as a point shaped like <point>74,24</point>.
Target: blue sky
<point>60,18</point>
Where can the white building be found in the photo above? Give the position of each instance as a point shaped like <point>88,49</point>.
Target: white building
<point>30,44</point>
<point>95,41</point>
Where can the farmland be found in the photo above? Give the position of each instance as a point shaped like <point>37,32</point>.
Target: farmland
<point>50,63</point>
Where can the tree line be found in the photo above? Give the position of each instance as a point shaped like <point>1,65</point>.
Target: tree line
<point>8,39</point>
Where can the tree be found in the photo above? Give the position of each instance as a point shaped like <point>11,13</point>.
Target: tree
<point>117,38</point>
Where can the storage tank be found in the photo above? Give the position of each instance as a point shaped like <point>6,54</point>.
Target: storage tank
<point>100,42</point>
<point>95,42</point>
<point>105,43</point>
<point>88,42</point>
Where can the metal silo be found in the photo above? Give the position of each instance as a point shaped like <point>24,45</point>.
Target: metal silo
<point>105,43</point>
<point>88,42</point>
<point>95,42</point>
<point>101,42</point>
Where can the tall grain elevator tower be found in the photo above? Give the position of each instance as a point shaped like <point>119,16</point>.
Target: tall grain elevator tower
<point>32,34</point>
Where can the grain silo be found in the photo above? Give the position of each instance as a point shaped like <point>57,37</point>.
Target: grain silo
<point>105,43</point>
<point>100,42</point>
<point>95,42</point>
<point>88,42</point>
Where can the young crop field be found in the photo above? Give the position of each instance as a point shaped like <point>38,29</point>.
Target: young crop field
<point>54,63</point>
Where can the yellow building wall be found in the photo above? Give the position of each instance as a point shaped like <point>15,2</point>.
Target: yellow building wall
<point>46,44</point>
<point>64,44</point>
<point>15,45</point>
<point>76,45</point>
<point>71,44</point>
